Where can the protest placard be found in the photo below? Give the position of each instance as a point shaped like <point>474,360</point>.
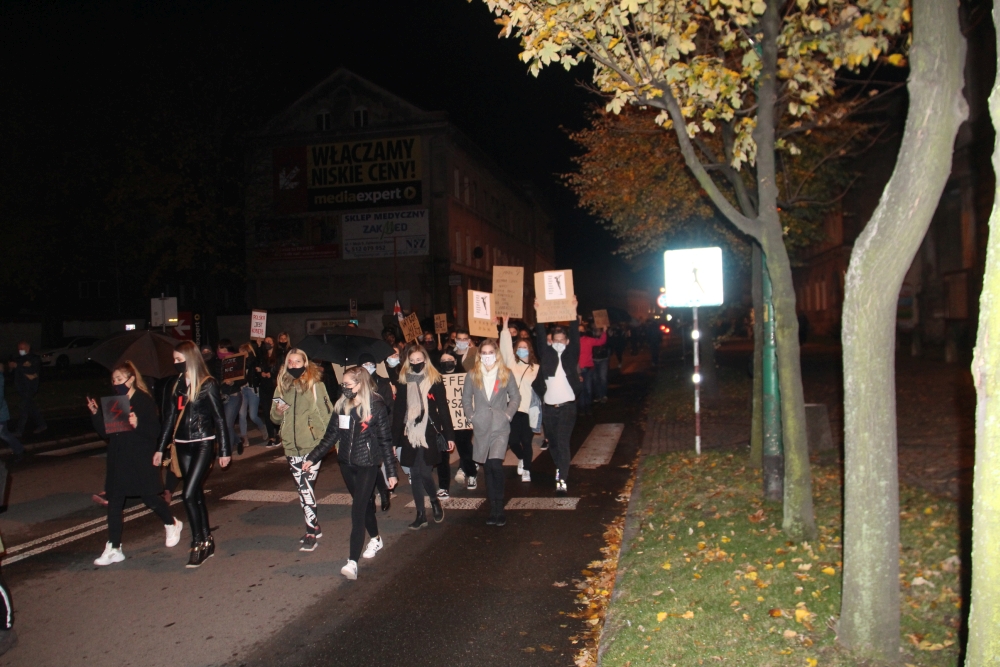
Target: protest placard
<point>454,383</point>
<point>116,410</point>
<point>234,367</point>
<point>441,323</point>
<point>554,292</point>
<point>601,320</point>
<point>508,291</point>
<point>411,327</point>
<point>258,324</point>
<point>481,322</point>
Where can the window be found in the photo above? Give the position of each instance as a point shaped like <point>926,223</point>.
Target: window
<point>458,184</point>
<point>465,191</point>
<point>458,247</point>
<point>324,120</point>
<point>361,117</point>
<point>468,250</point>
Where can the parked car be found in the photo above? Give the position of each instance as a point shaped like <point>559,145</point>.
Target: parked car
<point>75,350</point>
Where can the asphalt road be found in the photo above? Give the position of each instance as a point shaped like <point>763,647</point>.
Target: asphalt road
<point>458,593</point>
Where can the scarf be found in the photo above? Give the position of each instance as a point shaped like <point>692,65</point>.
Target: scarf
<point>416,408</point>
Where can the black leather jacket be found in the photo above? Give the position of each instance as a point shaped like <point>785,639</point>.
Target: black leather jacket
<point>363,444</point>
<point>201,419</point>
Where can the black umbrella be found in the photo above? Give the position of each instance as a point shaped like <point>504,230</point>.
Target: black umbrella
<point>343,346</point>
<point>152,353</point>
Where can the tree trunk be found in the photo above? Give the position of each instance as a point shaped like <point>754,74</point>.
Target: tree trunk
<point>757,401</point>
<point>984,609</point>
<point>869,620</point>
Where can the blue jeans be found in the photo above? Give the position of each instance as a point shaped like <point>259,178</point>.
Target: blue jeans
<point>601,378</point>
<point>11,439</point>
<point>586,396</point>
<point>251,405</point>
<point>231,410</point>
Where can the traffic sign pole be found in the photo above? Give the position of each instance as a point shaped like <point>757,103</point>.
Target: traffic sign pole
<point>695,336</point>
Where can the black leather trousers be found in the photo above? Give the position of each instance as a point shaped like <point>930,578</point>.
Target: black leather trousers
<point>196,460</point>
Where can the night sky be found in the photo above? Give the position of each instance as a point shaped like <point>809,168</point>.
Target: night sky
<point>71,65</point>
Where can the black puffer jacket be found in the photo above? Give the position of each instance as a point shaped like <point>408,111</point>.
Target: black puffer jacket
<point>363,443</point>
<point>200,420</point>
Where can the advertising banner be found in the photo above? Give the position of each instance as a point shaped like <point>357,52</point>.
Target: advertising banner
<point>370,235</point>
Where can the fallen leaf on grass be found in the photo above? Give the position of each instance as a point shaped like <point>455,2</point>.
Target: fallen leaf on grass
<point>688,614</point>
<point>546,648</point>
<point>920,581</point>
<point>757,516</point>
<point>812,662</point>
<point>775,613</point>
<point>789,634</point>
<point>530,649</point>
<point>666,566</point>
<point>657,593</point>
<point>828,570</point>
<point>659,617</point>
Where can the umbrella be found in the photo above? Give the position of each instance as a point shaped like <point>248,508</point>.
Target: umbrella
<point>152,353</point>
<point>343,346</point>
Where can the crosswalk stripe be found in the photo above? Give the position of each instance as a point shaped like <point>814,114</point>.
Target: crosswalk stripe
<point>599,446</point>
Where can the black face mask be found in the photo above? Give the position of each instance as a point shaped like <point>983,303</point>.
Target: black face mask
<point>120,389</point>
<point>296,372</point>
<point>266,346</point>
<point>282,345</point>
<point>180,367</point>
<point>448,366</point>
<point>417,368</point>
<point>348,393</point>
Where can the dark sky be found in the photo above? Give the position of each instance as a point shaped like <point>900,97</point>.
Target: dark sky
<point>439,55</point>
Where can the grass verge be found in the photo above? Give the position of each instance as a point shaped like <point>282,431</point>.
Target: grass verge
<point>709,578</point>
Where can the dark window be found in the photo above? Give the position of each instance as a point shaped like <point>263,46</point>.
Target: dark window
<point>324,121</point>
<point>361,117</point>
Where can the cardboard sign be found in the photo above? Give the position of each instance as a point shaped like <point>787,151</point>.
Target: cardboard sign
<point>601,320</point>
<point>258,324</point>
<point>116,410</point>
<point>454,383</point>
<point>441,323</point>
<point>234,367</point>
<point>411,328</point>
<point>554,291</point>
<point>481,322</point>
<point>508,291</point>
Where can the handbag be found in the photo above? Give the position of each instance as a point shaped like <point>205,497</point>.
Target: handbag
<point>172,461</point>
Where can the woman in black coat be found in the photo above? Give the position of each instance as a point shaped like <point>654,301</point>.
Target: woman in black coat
<point>421,425</point>
<point>129,472</point>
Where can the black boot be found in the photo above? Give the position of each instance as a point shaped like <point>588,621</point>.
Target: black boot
<point>209,547</point>
<point>492,521</point>
<point>386,501</point>
<point>197,556</point>
<point>437,510</point>
<point>501,517</point>
<point>420,521</point>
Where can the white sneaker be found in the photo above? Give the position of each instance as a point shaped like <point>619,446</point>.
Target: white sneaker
<point>350,570</point>
<point>110,555</point>
<point>174,533</point>
<point>471,483</point>
<point>460,476</point>
<point>442,494</point>
<point>374,546</point>
<point>525,475</point>
<point>520,467</point>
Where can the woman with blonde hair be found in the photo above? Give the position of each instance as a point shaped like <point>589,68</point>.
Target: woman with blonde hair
<point>302,409</point>
<point>421,425</point>
<point>194,422</point>
<point>363,437</point>
<point>128,470</point>
<point>491,399</point>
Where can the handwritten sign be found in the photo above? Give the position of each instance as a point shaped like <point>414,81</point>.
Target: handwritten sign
<point>481,322</point>
<point>411,328</point>
<point>441,323</point>
<point>258,324</point>
<point>116,410</point>
<point>508,291</point>
<point>454,383</point>
<point>234,367</point>
<point>601,320</point>
<point>555,296</point>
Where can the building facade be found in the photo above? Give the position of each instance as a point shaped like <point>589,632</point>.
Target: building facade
<point>356,194</point>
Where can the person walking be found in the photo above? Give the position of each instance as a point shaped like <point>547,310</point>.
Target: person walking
<point>250,405</point>
<point>558,385</point>
<point>195,424</point>
<point>16,447</point>
<point>490,400</point>
<point>523,365</point>
<point>465,354</point>
<point>267,370</point>
<point>362,434</point>
<point>588,341</point>
<point>128,472</point>
<point>231,390</point>
<point>446,365</point>
<point>385,389</point>
<point>27,369</point>
<point>421,425</point>
<point>302,408</point>
<point>601,355</point>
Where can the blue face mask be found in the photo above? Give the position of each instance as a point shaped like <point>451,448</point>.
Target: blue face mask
<point>522,353</point>
<point>392,362</point>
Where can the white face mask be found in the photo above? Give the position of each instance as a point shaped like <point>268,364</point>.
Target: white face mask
<point>461,345</point>
<point>392,361</point>
<point>488,359</point>
<point>370,369</point>
<point>22,352</point>
<point>559,347</point>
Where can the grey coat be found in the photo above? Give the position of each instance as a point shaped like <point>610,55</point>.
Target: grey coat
<point>490,417</point>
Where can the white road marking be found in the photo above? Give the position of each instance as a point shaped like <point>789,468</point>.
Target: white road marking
<point>85,447</point>
<point>453,503</point>
<point>254,496</point>
<point>599,446</point>
<point>542,504</point>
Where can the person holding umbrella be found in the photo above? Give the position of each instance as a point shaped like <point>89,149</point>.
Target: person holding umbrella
<point>195,424</point>
<point>128,470</point>
<point>302,409</point>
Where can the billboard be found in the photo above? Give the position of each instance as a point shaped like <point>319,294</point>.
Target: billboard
<point>368,235</point>
<point>369,173</point>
